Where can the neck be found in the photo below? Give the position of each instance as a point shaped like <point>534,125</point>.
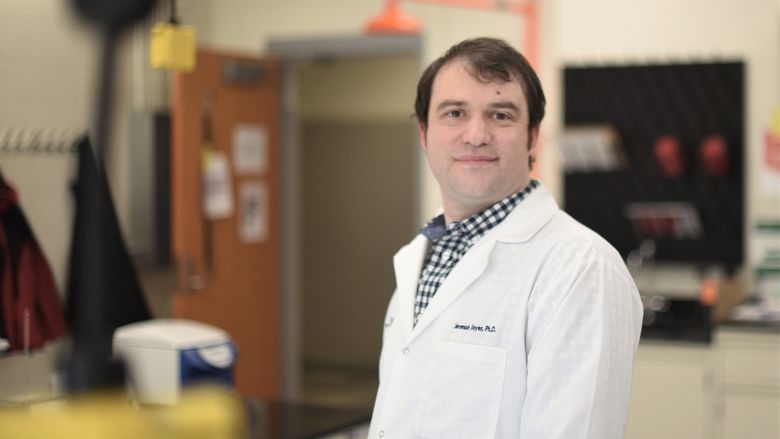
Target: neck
<point>459,211</point>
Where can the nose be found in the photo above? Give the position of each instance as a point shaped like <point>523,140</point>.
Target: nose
<point>476,132</point>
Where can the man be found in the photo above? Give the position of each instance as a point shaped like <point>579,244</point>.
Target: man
<point>509,319</point>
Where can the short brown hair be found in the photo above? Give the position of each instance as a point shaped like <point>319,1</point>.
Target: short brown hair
<point>489,59</point>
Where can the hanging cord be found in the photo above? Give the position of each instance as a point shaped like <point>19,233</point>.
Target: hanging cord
<point>89,366</point>
<point>174,17</point>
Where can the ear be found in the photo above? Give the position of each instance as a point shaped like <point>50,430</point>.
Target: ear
<point>421,131</point>
<point>533,140</point>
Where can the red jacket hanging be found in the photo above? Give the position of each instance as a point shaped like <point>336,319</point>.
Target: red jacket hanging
<point>31,308</point>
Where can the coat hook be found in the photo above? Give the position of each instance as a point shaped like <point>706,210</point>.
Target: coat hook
<point>34,143</point>
<point>50,141</point>
<point>5,146</point>
<point>19,147</point>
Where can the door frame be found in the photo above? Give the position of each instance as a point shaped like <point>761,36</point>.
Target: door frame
<point>291,52</point>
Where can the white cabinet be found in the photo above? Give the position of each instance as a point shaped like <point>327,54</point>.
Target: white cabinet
<point>747,387</point>
<point>671,392</point>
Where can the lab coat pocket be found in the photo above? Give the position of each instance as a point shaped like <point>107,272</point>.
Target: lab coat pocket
<point>461,394</point>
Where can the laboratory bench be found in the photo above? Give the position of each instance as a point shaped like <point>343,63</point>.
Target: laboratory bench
<point>751,326</point>
<point>676,320</point>
<point>723,386</point>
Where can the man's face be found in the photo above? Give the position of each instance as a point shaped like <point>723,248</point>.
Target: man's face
<point>477,141</point>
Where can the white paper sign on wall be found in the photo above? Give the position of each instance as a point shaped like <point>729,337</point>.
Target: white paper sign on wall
<point>250,149</point>
<point>217,188</point>
<point>253,211</point>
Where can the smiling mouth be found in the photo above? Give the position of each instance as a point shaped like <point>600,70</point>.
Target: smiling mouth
<point>475,159</point>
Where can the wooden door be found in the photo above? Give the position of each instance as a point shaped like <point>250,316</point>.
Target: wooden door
<point>224,279</point>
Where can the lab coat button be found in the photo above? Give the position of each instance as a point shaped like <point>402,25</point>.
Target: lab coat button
<point>406,351</point>
<point>381,434</point>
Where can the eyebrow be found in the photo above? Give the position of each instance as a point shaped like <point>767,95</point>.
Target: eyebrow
<point>504,104</point>
<point>453,103</point>
<point>450,103</point>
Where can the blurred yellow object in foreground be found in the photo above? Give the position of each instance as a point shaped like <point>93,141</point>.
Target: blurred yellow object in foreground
<point>173,47</point>
<point>205,413</point>
<point>775,125</point>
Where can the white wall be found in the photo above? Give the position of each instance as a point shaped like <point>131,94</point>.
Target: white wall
<point>48,66</point>
<point>246,25</point>
<point>327,97</point>
<point>45,73</point>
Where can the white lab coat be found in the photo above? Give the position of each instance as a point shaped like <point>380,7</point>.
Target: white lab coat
<point>531,336</point>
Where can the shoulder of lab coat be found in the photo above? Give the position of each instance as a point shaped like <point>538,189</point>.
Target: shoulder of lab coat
<point>527,219</point>
<point>582,333</point>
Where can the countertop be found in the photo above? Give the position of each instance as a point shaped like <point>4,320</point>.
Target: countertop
<point>751,325</point>
<point>703,334</point>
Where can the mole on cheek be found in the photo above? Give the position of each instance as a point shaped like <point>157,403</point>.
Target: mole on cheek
<point>498,92</point>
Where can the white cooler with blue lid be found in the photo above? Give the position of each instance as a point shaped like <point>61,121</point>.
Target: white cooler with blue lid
<point>164,356</point>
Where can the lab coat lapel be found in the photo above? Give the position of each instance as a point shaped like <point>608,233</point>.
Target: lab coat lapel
<point>528,217</point>
<point>519,226</point>
<point>466,271</point>
<point>407,263</point>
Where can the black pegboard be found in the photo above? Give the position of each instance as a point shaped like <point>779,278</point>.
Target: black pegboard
<point>644,102</point>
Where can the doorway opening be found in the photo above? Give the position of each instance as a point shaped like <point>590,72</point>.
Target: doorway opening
<point>351,174</point>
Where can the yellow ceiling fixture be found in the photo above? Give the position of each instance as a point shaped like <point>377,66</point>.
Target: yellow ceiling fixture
<point>173,44</point>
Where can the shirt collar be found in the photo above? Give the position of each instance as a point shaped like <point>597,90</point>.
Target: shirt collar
<point>478,224</point>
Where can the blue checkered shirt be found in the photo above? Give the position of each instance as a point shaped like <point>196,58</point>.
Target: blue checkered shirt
<point>450,242</point>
